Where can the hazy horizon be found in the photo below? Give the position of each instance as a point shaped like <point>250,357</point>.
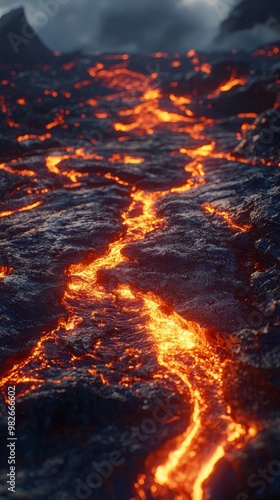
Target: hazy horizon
<point>127,26</point>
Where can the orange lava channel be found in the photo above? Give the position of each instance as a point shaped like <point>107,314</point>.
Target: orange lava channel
<point>181,346</point>
<point>22,209</point>
<point>226,217</point>
<point>182,349</point>
<point>233,81</point>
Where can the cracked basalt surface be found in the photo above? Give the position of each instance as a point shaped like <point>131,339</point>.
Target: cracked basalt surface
<point>209,272</point>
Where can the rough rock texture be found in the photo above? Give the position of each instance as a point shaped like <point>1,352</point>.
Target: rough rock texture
<point>262,143</point>
<point>77,140</point>
<point>250,474</point>
<point>19,43</point>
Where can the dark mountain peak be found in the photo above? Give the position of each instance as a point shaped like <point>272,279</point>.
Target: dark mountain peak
<point>14,15</point>
<point>249,13</point>
<point>18,41</point>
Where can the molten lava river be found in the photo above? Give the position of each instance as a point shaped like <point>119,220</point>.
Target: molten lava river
<point>139,276</point>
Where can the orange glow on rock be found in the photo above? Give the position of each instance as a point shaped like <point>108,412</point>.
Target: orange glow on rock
<point>206,68</point>
<point>116,179</point>
<point>69,66</point>
<point>234,81</point>
<point>125,159</point>
<point>52,163</point>
<point>183,351</point>
<point>176,64</point>
<point>53,124</point>
<point>5,271</point>
<point>22,209</point>
<point>205,472</point>
<point>53,93</point>
<point>179,100</point>
<point>203,151</point>
<point>191,53</point>
<point>101,115</point>
<point>80,85</point>
<point>226,217</point>
<point>12,124</point>
<point>27,137</point>
<point>13,171</point>
<point>92,102</point>
<point>180,345</point>
<point>247,115</point>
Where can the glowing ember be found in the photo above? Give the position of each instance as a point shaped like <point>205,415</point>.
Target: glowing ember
<point>234,81</point>
<point>73,175</point>
<point>13,171</point>
<point>184,352</point>
<point>206,68</point>
<point>22,209</point>
<point>116,179</point>
<point>27,137</point>
<point>226,217</point>
<point>125,159</point>
<point>181,346</point>
<point>5,271</point>
<point>139,109</point>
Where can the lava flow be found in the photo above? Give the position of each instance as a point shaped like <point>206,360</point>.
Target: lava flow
<point>181,346</point>
<point>138,118</point>
<point>21,209</point>
<point>226,217</point>
<point>185,354</point>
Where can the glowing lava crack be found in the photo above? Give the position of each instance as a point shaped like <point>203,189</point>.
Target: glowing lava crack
<point>181,347</point>
<point>181,466</point>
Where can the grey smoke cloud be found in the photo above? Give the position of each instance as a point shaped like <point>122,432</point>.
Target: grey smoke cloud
<point>251,23</point>
<point>125,25</point>
<point>144,26</point>
<point>158,25</point>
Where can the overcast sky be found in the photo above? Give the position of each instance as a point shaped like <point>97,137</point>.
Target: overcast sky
<point>126,25</point>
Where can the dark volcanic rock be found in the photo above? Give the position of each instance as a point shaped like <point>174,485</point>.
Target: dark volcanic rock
<point>82,424</point>
<point>31,297</point>
<point>252,474</point>
<point>213,295</point>
<point>19,43</point>
<point>88,148</point>
<point>263,142</point>
<point>249,13</point>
